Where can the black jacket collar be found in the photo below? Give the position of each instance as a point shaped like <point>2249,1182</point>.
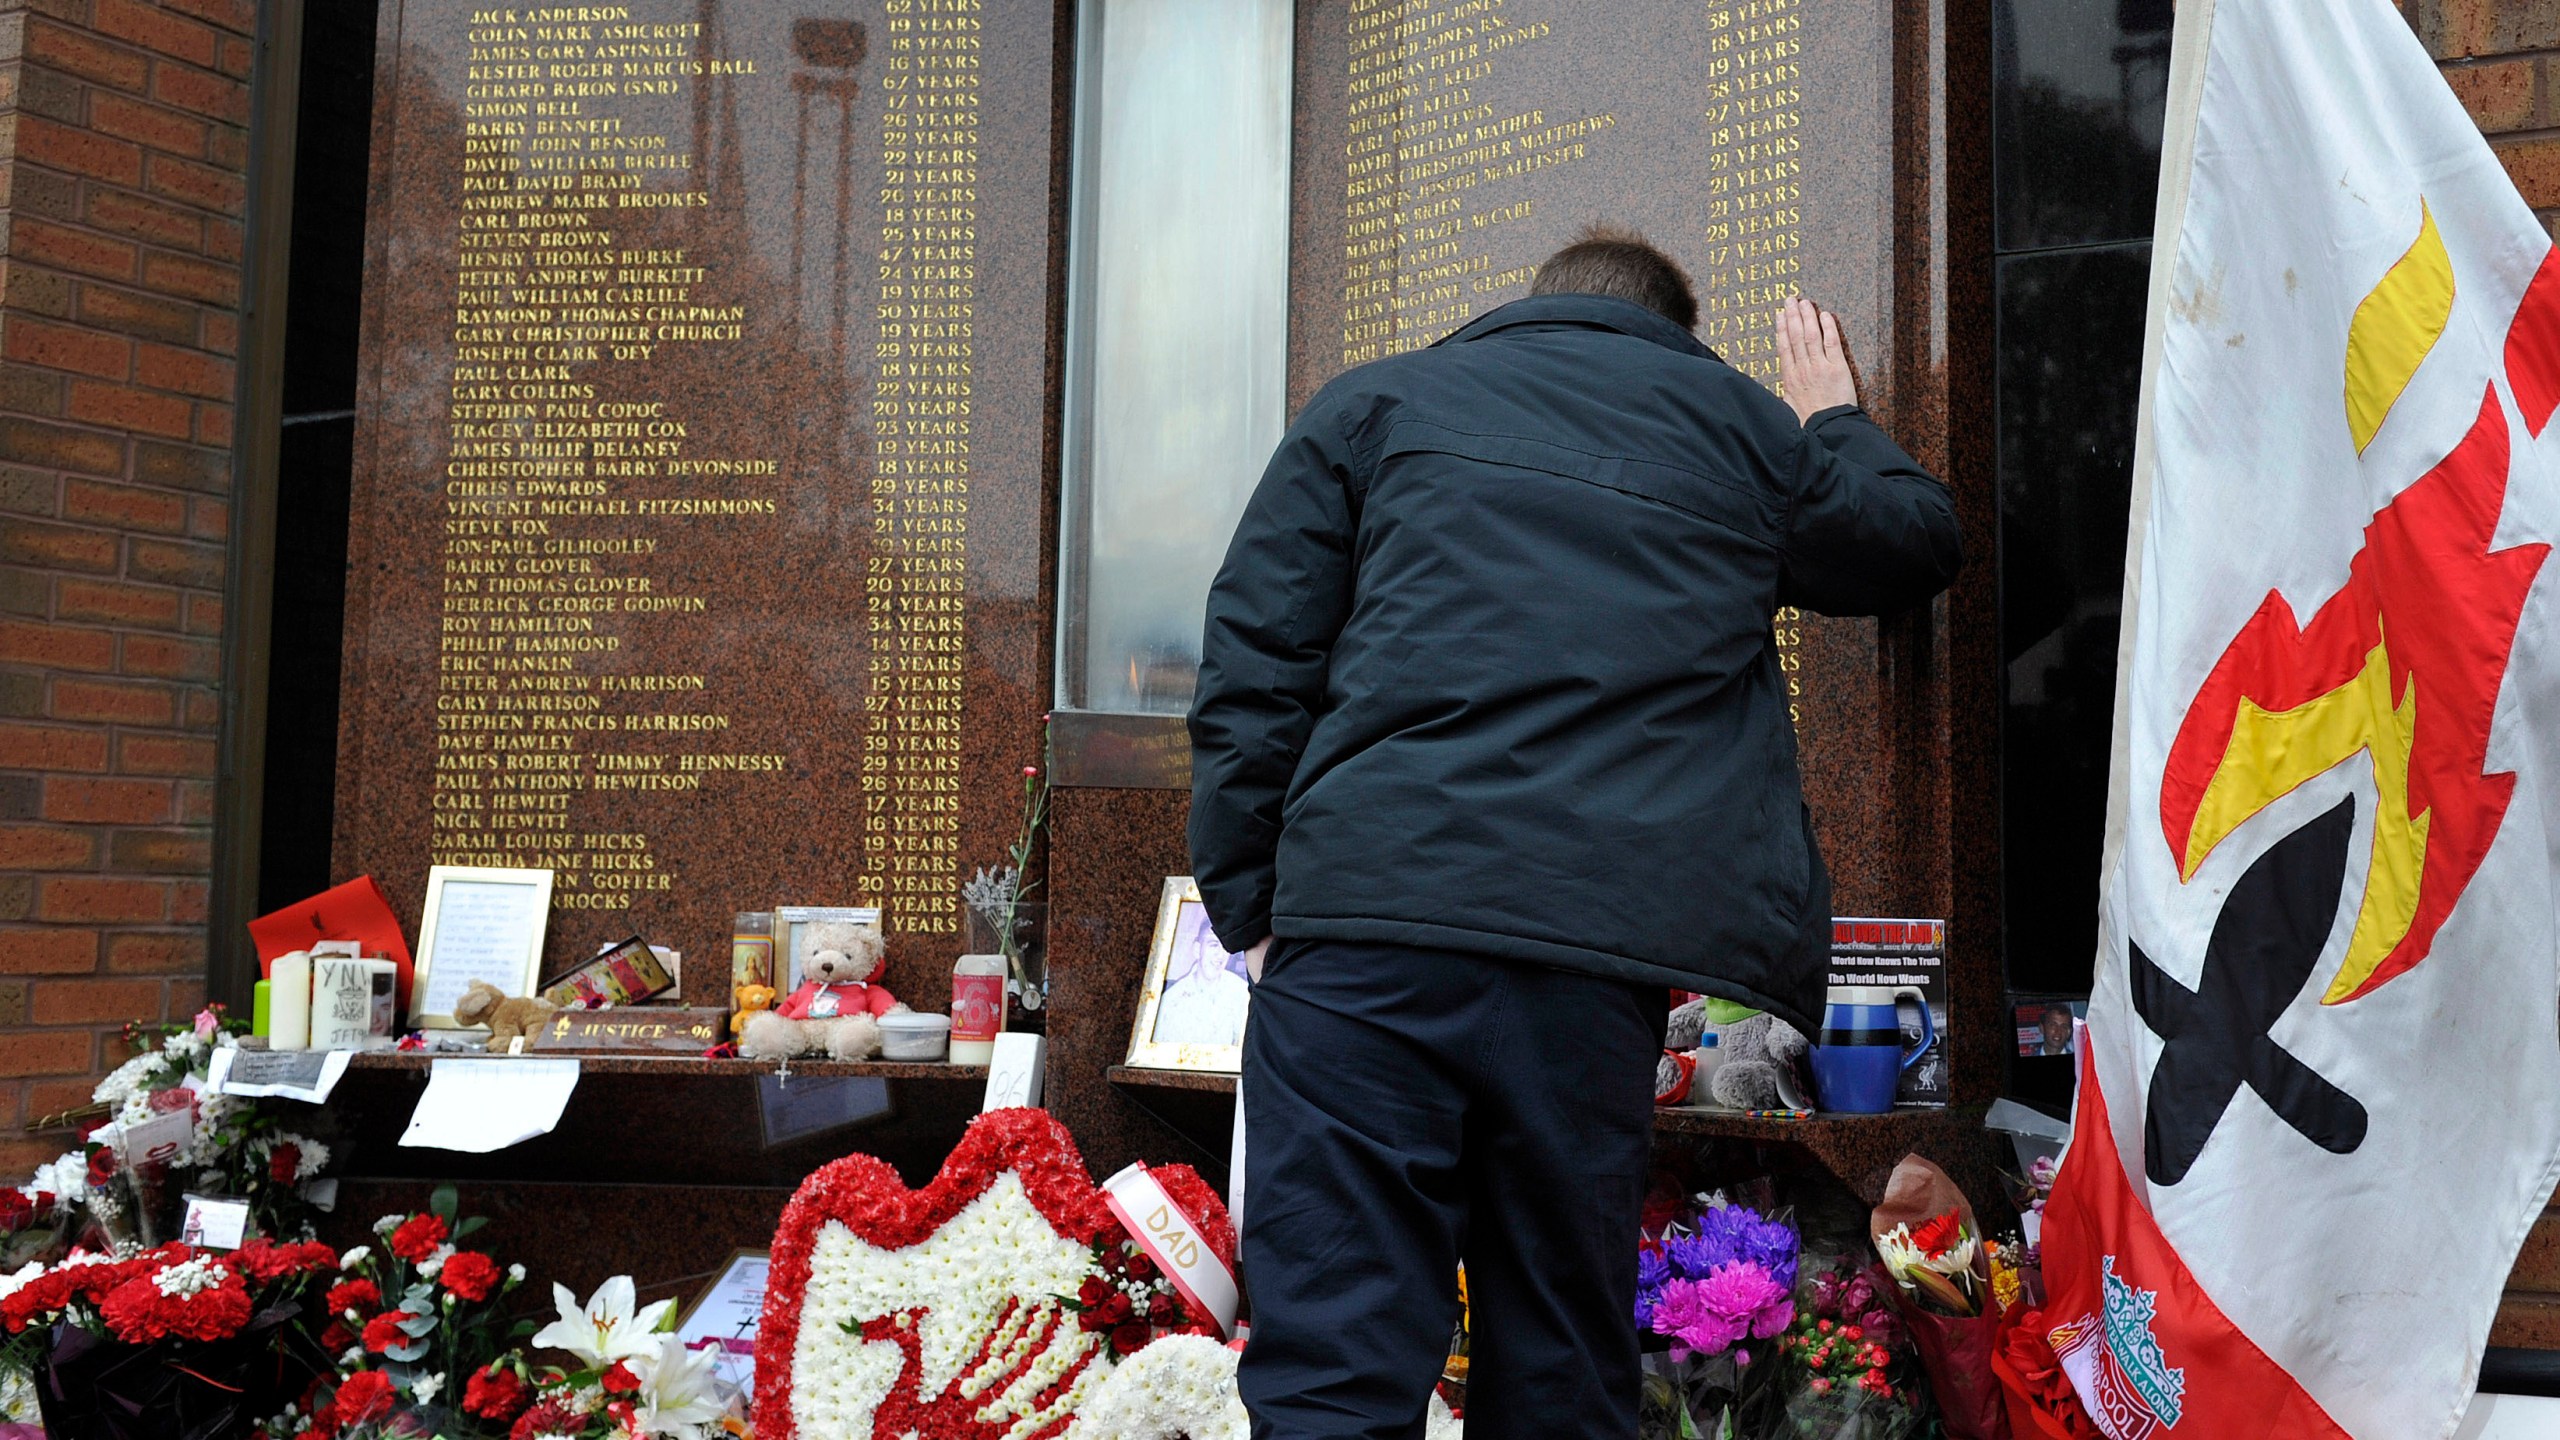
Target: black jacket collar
<point>1584,311</point>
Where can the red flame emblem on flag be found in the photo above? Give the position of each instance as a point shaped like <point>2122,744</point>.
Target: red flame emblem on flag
<point>2403,662</point>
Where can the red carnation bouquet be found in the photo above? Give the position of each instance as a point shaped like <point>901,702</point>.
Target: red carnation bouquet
<point>174,1339</point>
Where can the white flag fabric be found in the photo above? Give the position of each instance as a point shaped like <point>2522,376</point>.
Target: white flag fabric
<point>2321,1101</point>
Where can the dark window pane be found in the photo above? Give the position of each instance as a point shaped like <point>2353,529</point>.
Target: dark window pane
<point>315,452</point>
<point>2080,85</point>
<point>2070,368</point>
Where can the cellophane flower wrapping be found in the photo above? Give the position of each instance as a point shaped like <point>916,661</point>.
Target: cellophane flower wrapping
<point>1851,1371</point>
<point>1716,1282</point>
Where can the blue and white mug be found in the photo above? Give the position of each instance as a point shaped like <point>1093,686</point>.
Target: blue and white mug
<point>1860,1056</point>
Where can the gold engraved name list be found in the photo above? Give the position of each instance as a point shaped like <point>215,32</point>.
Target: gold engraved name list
<point>1436,164</point>
<point>564,481</point>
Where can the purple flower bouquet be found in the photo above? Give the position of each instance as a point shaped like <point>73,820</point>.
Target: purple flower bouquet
<point>1715,1289</point>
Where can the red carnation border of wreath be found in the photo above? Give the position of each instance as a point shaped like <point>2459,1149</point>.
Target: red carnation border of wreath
<point>870,1199</point>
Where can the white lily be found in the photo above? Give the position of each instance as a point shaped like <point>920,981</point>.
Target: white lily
<point>679,1389</point>
<point>604,1329</point>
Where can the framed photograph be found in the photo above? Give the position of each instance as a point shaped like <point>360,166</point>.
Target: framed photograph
<point>479,924</point>
<point>725,1318</point>
<point>790,936</point>
<point>1191,1005</point>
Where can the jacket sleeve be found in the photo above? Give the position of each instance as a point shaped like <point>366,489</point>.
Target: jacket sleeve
<point>1279,601</point>
<point>1868,530</point>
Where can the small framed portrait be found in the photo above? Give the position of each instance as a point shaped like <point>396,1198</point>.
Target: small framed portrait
<point>791,935</point>
<point>1192,1003</point>
<point>479,924</point>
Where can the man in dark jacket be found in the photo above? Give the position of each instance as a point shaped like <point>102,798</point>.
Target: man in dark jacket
<point>1491,736</point>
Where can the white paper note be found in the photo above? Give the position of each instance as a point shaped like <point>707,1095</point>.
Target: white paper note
<point>290,1074</point>
<point>1013,1076</point>
<point>483,1105</point>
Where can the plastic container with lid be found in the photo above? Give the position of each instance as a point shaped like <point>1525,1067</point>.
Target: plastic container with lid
<point>914,1036</point>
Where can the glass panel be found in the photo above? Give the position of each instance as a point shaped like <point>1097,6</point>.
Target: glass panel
<point>1177,330</point>
<point>2080,86</point>
<point>2070,369</point>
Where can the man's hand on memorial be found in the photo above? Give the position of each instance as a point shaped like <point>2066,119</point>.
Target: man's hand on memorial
<point>1253,959</point>
<point>1813,366</point>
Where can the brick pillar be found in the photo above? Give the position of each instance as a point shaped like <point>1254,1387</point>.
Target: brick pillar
<point>2503,58</point>
<point>123,151</point>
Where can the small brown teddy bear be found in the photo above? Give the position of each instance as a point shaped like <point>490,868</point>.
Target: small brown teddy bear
<point>507,1016</point>
<point>836,1010</point>
<point>751,1001</point>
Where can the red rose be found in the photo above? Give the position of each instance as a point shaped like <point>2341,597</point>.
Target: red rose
<point>1115,1311</point>
<point>102,1165</point>
<point>547,1417</point>
<point>365,1395</point>
<point>418,1237</point>
<point>1129,1339</point>
<point>495,1394</point>
<point>470,1274</point>
<point>383,1331</point>
<point>618,1380</point>
<point>282,1164</point>
<point>1141,1268</point>
<point>1164,1310</point>
<point>356,1295</point>
<point>1094,1291</point>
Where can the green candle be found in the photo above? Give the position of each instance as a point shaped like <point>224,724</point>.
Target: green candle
<point>262,994</point>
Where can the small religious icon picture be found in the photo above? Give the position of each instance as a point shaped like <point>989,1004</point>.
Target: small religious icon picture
<point>1191,1005</point>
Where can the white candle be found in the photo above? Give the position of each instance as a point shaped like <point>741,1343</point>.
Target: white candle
<point>341,1003</point>
<point>289,1005</point>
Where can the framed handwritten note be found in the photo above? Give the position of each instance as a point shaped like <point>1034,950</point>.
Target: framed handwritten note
<point>480,924</point>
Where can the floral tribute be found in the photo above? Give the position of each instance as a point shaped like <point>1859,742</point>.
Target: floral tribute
<point>219,1324</point>
<point>997,1301</point>
<point>104,1196</point>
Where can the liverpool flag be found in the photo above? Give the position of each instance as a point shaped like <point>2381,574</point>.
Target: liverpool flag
<point>2320,1103</point>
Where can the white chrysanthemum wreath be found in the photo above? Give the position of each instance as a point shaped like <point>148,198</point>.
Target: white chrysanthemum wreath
<point>994,1304</point>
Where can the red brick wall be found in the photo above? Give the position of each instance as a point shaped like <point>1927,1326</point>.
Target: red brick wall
<point>123,149</point>
<point>2503,58</point>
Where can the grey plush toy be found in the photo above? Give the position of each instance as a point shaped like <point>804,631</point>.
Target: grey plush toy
<point>1688,1023</point>
<point>1755,1050</point>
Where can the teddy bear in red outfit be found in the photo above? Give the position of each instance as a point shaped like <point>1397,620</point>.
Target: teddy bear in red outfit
<point>836,1009</point>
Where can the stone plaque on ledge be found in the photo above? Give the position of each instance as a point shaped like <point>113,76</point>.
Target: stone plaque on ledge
<point>1445,147</point>
<point>698,515</point>
<point>661,1029</point>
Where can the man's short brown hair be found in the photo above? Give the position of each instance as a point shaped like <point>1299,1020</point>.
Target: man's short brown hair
<point>1623,265</point>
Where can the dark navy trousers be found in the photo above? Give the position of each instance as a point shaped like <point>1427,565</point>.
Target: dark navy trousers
<point>1406,1108</point>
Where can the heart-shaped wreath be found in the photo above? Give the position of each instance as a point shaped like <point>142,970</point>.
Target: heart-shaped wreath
<point>956,1312</point>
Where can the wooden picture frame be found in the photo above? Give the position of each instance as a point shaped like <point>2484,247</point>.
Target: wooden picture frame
<point>479,923</point>
<point>1201,1028</point>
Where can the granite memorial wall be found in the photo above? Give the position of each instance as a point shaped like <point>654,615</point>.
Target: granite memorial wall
<point>705,503</point>
<point>1445,147</point>
<point>700,523</point>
